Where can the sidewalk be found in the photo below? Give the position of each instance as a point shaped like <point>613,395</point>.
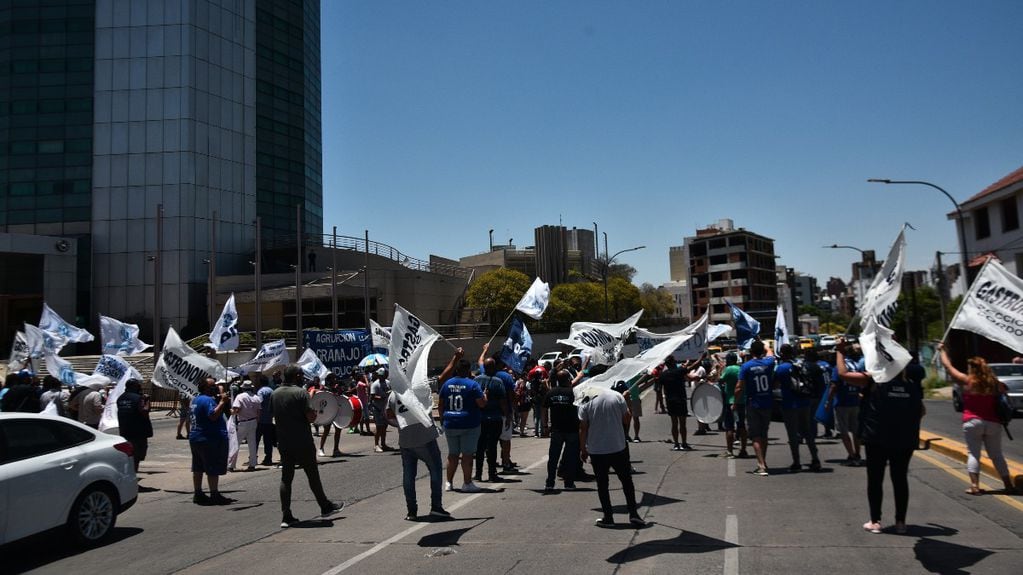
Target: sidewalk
<point>957,450</point>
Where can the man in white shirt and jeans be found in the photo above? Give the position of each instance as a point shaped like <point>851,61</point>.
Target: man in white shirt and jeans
<point>602,437</point>
<point>246,409</point>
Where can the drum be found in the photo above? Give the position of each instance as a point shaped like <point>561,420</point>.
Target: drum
<point>707,403</point>
<point>325,404</point>
<point>349,412</point>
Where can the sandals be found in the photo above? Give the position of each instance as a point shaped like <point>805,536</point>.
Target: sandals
<point>975,491</point>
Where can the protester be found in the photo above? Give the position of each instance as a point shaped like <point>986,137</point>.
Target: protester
<point>378,392</point>
<point>673,385</point>
<point>417,442</point>
<point>184,409</point>
<point>564,432</point>
<point>292,416</point>
<point>698,376</point>
<point>981,425</point>
<point>635,403</point>
<point>797,410</point>
<point>600,436</point>
<point>460,401</point>
<point>245,409</point>
<point>523,403</point>
<point>493,416</point>
<point>658,392</point>
<point>890,430</point>
<point>208,441</point>
<point>89,405</point>
<point>362,393</point>
<point>501,372</point>
<point>538,389</point>
<point>333,386</point>
<point>847,408</point>
<point>265,430</point>
<point>756,382</point>
<point>734,415</point>
<point>21,395</point>
<point>54,393</point>
<point>133,421</point>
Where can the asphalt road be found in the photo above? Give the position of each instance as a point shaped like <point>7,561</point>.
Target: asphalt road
<point>944,420</point>
<point>708,515</point>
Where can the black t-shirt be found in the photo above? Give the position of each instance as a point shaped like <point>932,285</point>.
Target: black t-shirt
<point>132,422</point>
<point>890,414</point>
<point>564,415</point>
<point>673,384</point>
<point>21,397</point>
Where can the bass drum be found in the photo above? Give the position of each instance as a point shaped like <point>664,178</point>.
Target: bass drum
<point>325,404</point>
<point>707,403</point>
<point>347,416</point>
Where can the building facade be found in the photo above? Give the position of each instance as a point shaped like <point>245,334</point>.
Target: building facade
<point>992,224</point>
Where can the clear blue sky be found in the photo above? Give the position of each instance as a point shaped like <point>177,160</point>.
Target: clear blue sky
<point>444,119</point>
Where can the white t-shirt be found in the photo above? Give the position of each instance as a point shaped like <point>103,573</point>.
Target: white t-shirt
<point>248,405</point>
<point>604,414</point>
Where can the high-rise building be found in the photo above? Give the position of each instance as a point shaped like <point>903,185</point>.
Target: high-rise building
<point>111,108</point>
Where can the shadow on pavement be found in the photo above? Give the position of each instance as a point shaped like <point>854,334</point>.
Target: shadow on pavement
<point>40,550</point>
<point>683,543</point>
<point>316,523</point>
<point>448,538</point>
<point>947,558</point>
<point>647,500</point>
<point>930,530</point>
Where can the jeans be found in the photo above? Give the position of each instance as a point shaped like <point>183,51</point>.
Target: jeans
<point>602,464</point>
<point>490,434</point>
<point>564,447</point>
<point>877,457</point>
<point>410,458</point>
<point>538,420</point>
<point>268,434</point>
<point>800,425</point>
<point>988,433</point>
<point>312,473</point>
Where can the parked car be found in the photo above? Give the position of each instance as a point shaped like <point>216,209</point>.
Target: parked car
<point>55,472</point>
<point>828,341</point>
<point>1011,374</point>
<point>805,343</point>
<point>550,357</point>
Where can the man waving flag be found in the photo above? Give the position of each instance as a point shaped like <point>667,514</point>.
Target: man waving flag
<point>746,328</point>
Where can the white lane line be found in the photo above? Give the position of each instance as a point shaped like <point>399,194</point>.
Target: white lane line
<point>732,553</point>
<point>731,468</point>
<point>399,536</point>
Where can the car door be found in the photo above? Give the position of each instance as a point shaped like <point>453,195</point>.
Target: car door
<point>40,473</point>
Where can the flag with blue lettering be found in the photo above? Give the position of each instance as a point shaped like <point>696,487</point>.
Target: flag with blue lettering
<point>63,370</point>
<point>119,338</point>
<point>518,347</point>
<point>746,328</point>
<point>55,325</point>
<point>781,330</point>
<point>224,335</point>
<point>411,340</point>
<point>40,343</point>
<point>534,301</point>
<point>312,366</point>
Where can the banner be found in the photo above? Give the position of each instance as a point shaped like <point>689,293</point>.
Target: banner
<point>630,367</point>
<point>534,301</point>
<point>381,335</point>
<point>19,353</point>
<point>40,343</point>
<point>883,357</point>
<point>53,324</point>
<point>120,338</point>
<point>181,368</point>
<point>65,372</point>
<point>410,347</point>
<point>781,330</point>
<point>993,307</point>
<point>716,330</point>
<point>882,298</point>
<point>691,348</point>
<point>604,341</point>
<point>117,370</point>
<point>746,328</point>
<point>224,336</point>
<point>269,356</point>
<point>312,366</point>
<point>340,351</point>
<point>518,347</point>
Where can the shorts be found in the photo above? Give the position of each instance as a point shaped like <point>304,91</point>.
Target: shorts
<point>847,419</point>
<point>209,457</point>
<point>733,420</point>
<point>676,408</point>
<point>636,407</point>
<point>462,441</point>
<point>183,414</point>
<point>524,408</point>
<point>379,416</point>
<point>140,447</point>
<point>508,429</point>
<point>758,421</point>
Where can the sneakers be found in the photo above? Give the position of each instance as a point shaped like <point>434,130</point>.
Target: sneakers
<point>872,526</point>
<point>728,455</point>
<point>470,488</point>
<point>548,489</point>
<point>636,439</point>
<point>570,487</point>
<point>218,499</point>
<point>337,453</point>
<point>376,449</point>
<point>795,468</point>
<point>267,461</point>
<point>331,508</point>
<point>700,432</point>
<point>604,522</point>
<point>288,521</point>
<point>900,528</point>
<point>440,512</point>
<point>760,471</point>
<point>636,521</point>
<point>743,454</point>
<point>496,479</point>
<point>686,447</point>
<point>201,498</point>
<point>411,516</point>
<point>815,466</point>
<point>677,447</point>
<point>320,453</point>
<point>448,486</point>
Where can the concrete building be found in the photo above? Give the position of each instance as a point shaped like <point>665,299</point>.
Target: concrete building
<point>34,269</point>
<point>805,289</point>
<point>992,224</point>
<point>786,282</point>
<point>678,264</point>
<point>679,291</point>
<point>557,253</point>
<point>112,108</point>
<point>733,264</point>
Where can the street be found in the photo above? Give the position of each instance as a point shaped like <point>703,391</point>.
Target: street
<point>707,514</point>
<point>944,420</point>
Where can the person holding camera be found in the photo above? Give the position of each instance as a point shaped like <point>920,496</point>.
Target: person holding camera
<point>208,441</point>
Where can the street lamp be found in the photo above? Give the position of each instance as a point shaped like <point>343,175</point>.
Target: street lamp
<point>859,281</point>
<point>836,246</point>
<point>959,214</point>
<point>607,268</point>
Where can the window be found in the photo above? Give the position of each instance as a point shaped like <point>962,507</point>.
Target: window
<point>1010,214</point>
<point>24,438</point>
<point>982,224</point>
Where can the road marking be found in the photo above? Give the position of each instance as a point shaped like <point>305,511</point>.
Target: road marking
<point>731,468</point>
<point>966,479</point>
<point>732,553</point>
<point>398,537</point>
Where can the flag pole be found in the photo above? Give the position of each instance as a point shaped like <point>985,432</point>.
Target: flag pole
<point>491,340</point>
<point>963,302</point>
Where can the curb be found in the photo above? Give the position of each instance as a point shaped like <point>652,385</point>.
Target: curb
<point>930,441</point>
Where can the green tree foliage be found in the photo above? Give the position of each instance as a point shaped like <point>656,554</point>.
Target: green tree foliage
<point>582,301</point>
<point>657,302</point>
<point>623,298</point>
<point>497,292</point>
<point>924,316</point>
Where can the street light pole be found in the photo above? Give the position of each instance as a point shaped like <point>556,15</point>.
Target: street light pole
<point>607,268</point>
<point>859,280</point>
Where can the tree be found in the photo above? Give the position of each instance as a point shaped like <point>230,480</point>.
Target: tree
<point>925,315</point>
<point>497,292</point>
<point>622,298</point>
<point>582,301</point>
<point>656,301</point>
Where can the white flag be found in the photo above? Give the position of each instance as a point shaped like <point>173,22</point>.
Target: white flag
<point>119,338</point>
<point>781,330</point>
<point>993,307</point>
<point>604,341</point>
<point>630,367</point>
<point>690,348</point>
<point>881,300</point>
<point>53,324</point>
<point>19,353</point>
<point>224,336</point>
<point>65,372</point>
<point>716,330</point>
<point>115,368</point>
<point>312,366</point>
<point>534,301</point>
<point>42,342</point>
<point>180,368</point>
<point>883,357</point>
<point>381,334</point>
<point>269,356</point>
<point>411,340</point>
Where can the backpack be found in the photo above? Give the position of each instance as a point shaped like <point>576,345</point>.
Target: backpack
<point>818,378</point>
<point>799,384</point>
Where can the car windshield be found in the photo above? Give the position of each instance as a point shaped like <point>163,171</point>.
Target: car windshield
<point>1008,370</point>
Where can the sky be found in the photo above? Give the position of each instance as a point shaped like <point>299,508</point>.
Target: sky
<point>442,120</point>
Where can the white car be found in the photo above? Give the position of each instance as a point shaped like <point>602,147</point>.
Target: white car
<point>56,472</point>
<point>828,341</point>
<point>550,357</point>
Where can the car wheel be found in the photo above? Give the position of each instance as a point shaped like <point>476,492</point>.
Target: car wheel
<point>957,402</point>
<point>92,516</point>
